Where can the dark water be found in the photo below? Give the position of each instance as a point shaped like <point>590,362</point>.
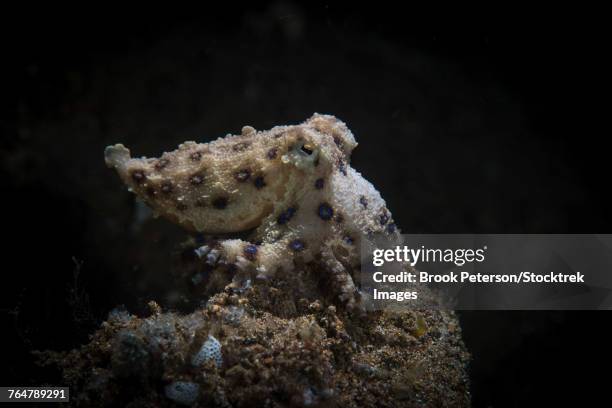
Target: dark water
<point>485,133</point>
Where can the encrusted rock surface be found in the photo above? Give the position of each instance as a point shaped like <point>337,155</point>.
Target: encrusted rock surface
<point>287,347</point>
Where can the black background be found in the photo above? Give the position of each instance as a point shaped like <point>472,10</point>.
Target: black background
<point>494,131</point>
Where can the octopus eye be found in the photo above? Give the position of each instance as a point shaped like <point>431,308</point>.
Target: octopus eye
<point>308,149</point>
